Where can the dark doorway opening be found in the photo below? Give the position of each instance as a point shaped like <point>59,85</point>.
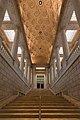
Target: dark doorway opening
<point>42,86</point>
<point>38,85</point>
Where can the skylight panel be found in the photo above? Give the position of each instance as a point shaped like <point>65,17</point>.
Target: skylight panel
<point>61,50</point>
<point>6,17</point>
<point>40,68</point>
<point>10,34</point>
<point>74,18</point>
<point>61,58</point>
<point>70,35</point>
<point>19,58</point>
<point>19,50</point>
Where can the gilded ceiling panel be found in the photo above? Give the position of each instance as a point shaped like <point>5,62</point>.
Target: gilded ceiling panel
<point>40,20</point>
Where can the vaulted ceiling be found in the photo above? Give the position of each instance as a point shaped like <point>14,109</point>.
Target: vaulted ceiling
<point>40,19</point>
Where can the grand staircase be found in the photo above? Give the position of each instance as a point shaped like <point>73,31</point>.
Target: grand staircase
<point>40,105</point>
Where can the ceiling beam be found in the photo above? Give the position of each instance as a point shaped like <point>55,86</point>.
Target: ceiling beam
<point>72,25</point>
<point>8,26</point>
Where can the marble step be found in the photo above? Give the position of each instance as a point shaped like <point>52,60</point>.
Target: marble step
<point>36,104</point>
<point>26,101</point>
<point>42,107</point>
<point>42,110</point>
<point>36,115</point>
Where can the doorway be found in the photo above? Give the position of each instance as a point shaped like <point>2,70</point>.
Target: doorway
<point>40,86</point>
<point>40,81</point>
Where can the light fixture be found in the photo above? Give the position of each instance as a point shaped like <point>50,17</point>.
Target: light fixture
<point>40,2</point>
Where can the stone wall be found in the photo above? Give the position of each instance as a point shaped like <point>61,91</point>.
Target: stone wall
<point>10,82</point>
<point>69,82</point>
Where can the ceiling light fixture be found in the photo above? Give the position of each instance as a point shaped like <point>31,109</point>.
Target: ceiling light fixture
<point>40,2</point>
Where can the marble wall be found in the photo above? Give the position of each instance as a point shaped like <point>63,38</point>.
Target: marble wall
<point>10,82</point>
<point>69,82</point>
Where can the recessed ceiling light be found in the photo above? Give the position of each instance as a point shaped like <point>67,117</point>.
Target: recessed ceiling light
<point>40,2</point>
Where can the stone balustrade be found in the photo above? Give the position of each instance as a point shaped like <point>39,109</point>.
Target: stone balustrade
<point>7,55</point>
<point>68,80</point>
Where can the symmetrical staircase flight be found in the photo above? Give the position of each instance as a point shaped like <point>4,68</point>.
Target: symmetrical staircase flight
<point>40,104</point>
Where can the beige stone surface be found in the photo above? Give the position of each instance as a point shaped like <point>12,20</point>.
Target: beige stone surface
<point>69,82</point>
<point>10,82</point>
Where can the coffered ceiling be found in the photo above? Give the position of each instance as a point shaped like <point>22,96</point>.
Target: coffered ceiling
<point>40,20</point>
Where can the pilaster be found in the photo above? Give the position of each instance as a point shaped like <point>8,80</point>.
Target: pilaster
<point>15,44</point>
<point>65,44</point>
<point>58,59</point>
<point>22,60</point>
<point>26,69</point>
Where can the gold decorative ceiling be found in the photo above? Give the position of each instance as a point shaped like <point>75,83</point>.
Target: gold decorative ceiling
<point>40,19</point>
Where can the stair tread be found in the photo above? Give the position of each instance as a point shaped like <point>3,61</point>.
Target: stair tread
<point>38,103</point>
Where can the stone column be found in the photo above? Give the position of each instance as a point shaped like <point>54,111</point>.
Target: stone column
<point>76,5</point>
<point>29,73</point>
<point>30,70</point>
<point>47,77</point>
<point>65,44</point>
<point>51,74</point>
<point>58,59</point>
<point>33,76</point>
<point>54,68</point>
<point>15,44</point>
<point>22,60</point>
<point>26,69</point>
<point>3,7</point>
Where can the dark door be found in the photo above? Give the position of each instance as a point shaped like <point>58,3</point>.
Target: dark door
<point>38,85</point>
<point>42,86</point>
